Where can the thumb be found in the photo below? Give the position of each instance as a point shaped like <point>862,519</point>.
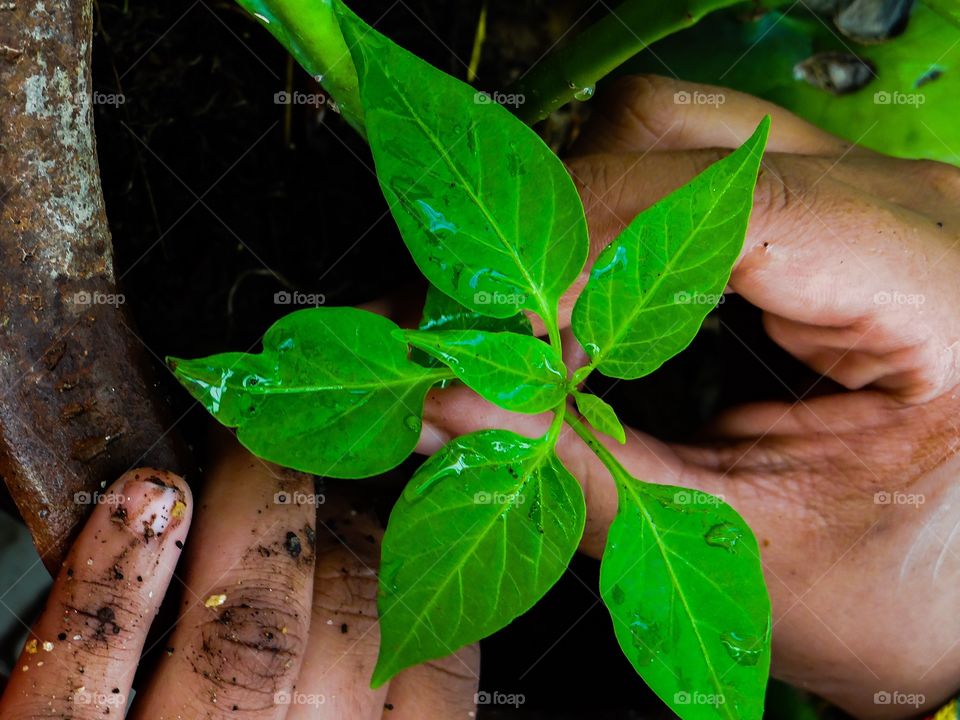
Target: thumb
<point>457,411</point>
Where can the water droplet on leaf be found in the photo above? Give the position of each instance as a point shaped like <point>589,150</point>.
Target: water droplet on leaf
<point>724,535</point>
<point>585,93</point>
<point>744,650</point>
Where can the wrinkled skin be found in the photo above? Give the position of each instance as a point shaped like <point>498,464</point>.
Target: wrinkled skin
<point>854,259</point>
<point>278,613</point>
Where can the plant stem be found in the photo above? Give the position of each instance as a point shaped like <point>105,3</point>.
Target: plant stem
<point>310,32</point>
<point>603,47</point>
<point>599,449</point>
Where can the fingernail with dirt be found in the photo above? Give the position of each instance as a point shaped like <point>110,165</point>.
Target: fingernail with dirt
<point>147,506</point>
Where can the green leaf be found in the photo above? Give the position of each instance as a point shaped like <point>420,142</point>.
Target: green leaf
<point>483,530</point>
<point>333,393</point>
<point>442,312</point>
<point>907,110</point>
<point>488,212</point>
<point>682,579</point>
<point>599,414</point>
<point>651,288</point>
<point>517,372</point>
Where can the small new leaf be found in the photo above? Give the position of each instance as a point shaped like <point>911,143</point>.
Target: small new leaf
<point>651,288</point>
<point>484,528</point>
<point>517,372</point>
<point>599,414</point>
<point>682,579</point>
<point>333,393</point>
<point>487,210</point>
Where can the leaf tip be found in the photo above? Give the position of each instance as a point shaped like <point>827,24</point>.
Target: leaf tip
<point>382,673</point>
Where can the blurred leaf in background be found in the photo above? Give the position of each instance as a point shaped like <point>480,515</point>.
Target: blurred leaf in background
<point>908,110</point>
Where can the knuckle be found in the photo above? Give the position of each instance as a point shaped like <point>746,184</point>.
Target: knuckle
<point>105,625</point>
<point>776,191</point>
<point>253,644</point>
<point>943,178</point>
<point>649,108</point>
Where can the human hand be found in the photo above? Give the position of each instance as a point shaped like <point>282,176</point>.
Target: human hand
<point>277,621</point>
<point>853,258</point>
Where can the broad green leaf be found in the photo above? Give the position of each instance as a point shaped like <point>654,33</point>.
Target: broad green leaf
<point>333,393</point>
<point>488,212</point>
<point>907,110</point>
<point>682,579</point>
<point>651,288</point>
<point>599,414</point>
<point>442,312</point>
<point>517,372</point>
<point>485,527</point>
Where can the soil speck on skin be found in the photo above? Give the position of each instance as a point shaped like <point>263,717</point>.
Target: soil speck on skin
<point>388,706</point>
<point>344,628</point>
<point>292,545</point>
<point>215,601</point>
